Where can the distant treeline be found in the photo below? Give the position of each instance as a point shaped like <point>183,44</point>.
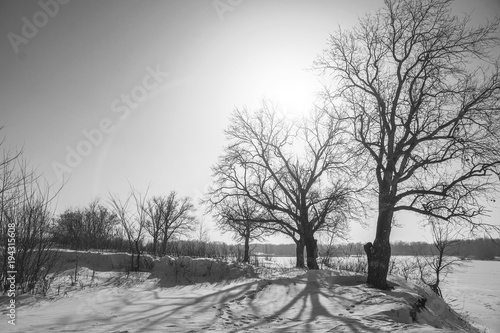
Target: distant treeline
<point>481,249</point>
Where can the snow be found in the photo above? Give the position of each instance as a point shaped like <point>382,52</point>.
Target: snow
<point>205,295</point>
<point>105,261</point>
<point>185,270</point>
<point>475,291</point>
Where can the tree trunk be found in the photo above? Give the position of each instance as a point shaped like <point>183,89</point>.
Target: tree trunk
<point>246,255</point>
<point>164,243</point>
<point>132,259</point>
<point>299,252</point>
<point>138,262</point>
<point>155,245</point>
<point>312,251</point>
<point>435,286</point>
<point>379,253</point>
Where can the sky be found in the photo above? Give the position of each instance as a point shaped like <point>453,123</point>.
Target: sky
<point>101,95</point>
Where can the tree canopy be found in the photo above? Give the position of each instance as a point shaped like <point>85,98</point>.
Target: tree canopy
<point>292,170</point>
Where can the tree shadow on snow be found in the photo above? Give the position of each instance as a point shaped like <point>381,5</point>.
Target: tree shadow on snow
<point>306,301</point>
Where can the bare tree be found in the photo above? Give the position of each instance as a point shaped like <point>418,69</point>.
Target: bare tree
<point>11,179</point>
<point>132,217</point>
<point>25,224</point>
<point>91,227</point>
<point>434,268</point>
<point>101,224</point>
<point>327,240</point>
<point>238,215</point>
<point>293,171</point>
<point>421,95</point>
<point>201,231</point>
<point>140,217</point>
<point>286,226</point>
<point>154,209</point>
<point>168,217</point>
<point>68,229</point>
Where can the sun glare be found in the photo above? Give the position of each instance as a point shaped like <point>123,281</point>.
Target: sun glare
<point>292,90</point>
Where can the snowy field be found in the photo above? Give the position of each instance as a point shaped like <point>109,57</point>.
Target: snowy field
<point>193,295</point>
<point>475,291</point>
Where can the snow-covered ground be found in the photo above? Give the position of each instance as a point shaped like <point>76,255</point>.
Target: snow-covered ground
<point>475,291</point>
<point>186,295</point>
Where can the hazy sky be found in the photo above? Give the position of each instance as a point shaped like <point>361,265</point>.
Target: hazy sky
<point>142,90</point>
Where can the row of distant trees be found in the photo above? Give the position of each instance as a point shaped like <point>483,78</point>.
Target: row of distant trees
<point>479,249</point>
<point>135,221</point>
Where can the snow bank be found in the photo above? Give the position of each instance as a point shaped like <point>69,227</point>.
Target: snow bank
<point>170,270</point>
<point>185,270</point>
<point>424,306</point>
<point>102,262</point>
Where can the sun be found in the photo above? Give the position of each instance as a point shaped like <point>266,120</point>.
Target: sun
<point>293,90</point>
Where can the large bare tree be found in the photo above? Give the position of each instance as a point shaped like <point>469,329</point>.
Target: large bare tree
<point>293,170</point>
<point>421,93</point>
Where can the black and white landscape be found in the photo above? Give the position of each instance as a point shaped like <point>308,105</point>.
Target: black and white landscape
<point>250,166</point>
